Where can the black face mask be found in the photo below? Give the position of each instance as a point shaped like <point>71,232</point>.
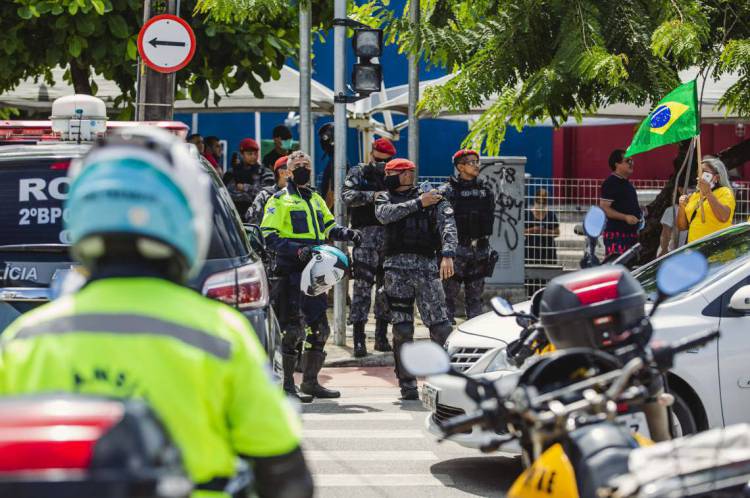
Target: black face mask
<point>301,176</point>
<point>392,182</point>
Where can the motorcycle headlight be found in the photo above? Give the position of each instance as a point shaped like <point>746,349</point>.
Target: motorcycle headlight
<point>499,362</point>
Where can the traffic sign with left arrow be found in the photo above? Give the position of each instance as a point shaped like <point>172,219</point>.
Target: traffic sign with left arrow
<point>166,43</point>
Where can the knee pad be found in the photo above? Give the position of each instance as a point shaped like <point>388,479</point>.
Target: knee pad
<point>439,332</point>
<point>404,305</point>
<point>320,331</point>
<point>403,331</point>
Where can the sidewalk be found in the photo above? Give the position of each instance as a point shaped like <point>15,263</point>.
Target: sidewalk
<point>342,356</point>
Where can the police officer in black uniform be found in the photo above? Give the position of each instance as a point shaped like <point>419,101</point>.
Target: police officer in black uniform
<point>473,204</point>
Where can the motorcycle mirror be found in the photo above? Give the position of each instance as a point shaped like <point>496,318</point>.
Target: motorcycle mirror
<point>593,223</point>
<point>424,358</point>
<point>536,303</point>
<point>680,272</point>
<point>502,307</point>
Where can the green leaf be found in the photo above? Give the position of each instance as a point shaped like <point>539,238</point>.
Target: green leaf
<point>57,9</point>
<point>98,6</point>
<point>74,46</point>
<point>132,49</point>
<point>73,8</point>
<point>118,26</point>
<point>24,12</point>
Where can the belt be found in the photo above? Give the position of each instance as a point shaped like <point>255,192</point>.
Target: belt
<point>215,484</point>
<point>480,243</point>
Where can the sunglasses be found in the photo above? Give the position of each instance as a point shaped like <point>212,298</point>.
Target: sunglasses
<point>629,161</point>
<point>471,162</point>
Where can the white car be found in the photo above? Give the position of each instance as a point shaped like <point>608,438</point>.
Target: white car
<point>711,385</point>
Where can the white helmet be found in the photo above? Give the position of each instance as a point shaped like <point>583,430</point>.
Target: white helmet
<point>326,268</point>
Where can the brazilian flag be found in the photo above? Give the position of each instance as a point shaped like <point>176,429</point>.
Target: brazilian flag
<point>674,119</point>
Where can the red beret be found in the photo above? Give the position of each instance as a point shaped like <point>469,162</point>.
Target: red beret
<point>399,165</point>
<point>248,144</point>
<point>463,153</point>
<point>280,162</point>
<point>384,146</point>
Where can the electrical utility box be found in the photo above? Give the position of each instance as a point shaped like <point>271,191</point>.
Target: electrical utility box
<point>506,176</point>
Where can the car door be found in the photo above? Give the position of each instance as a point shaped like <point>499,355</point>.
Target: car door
<point>734,357</point>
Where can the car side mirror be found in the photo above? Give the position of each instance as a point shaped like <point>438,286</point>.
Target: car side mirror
<point>740,301</point>
<point>255,236</point>
<point>502,307</point>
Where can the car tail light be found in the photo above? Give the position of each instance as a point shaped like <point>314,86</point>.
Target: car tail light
<point>245,287</point>
<point>53,435</point>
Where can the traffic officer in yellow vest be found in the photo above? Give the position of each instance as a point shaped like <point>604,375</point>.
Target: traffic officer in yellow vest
<point>296,220</point>
<point>140,223</point>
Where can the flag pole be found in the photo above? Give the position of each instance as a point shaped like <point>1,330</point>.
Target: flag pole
<point>700,158</point>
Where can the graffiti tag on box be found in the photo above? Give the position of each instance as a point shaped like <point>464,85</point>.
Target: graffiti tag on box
<point>508,203</point>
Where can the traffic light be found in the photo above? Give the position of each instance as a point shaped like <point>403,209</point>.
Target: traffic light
<point>367,76</point>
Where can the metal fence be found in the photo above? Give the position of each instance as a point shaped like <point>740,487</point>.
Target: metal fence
<point>554,206</point>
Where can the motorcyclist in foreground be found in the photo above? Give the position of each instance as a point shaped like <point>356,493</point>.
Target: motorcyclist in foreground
<point>139,219</point>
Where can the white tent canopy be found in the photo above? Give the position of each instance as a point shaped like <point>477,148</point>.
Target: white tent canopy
<point>710,112</point>
<point>280,95</point>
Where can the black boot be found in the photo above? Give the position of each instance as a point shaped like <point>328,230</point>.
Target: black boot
<point>288,362</point>
<point>298,365</point>
<point>313,362</point>
<point>403,333</point>
<point>360,348</point>
<point>381,336</point>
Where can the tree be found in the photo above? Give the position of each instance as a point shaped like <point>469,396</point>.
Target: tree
<point>553,59</point>
<point>99,36</point>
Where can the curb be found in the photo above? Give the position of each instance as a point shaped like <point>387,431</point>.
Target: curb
<point>371,360</point>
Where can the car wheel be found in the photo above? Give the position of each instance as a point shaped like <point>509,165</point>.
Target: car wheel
<point>683,421</point>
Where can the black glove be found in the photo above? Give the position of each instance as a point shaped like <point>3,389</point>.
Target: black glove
<point>355,236</point>
<point>304,254</point>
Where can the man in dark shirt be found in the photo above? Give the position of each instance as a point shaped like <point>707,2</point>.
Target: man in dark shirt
<point>620,202</point>
<point>282,145</point>
<point>248,177</point>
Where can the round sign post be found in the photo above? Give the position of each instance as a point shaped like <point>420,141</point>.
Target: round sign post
<point>166,43</point>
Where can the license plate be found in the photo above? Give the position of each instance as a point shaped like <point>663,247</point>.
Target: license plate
<point>429,397</point>
<point>636,422</point>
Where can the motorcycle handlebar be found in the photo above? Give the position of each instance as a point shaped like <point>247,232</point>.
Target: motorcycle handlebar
<point>664,357</point>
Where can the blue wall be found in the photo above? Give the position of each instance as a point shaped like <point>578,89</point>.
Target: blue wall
<point>439,138</point>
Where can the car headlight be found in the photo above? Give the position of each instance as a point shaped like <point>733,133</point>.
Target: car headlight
<point>499,362</point>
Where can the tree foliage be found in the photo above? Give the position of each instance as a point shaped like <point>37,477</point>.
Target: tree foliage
<point>555,59</point>
<point>99,37</point>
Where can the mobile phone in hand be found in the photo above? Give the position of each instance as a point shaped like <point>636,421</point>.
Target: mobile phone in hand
<point>707,177</point>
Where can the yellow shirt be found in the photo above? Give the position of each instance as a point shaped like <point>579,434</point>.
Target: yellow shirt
<point>698,227</point>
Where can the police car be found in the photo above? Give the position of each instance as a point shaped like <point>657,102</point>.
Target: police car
<point>34,159</point>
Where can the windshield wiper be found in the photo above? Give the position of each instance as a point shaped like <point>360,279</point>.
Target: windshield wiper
<point>35,248</point>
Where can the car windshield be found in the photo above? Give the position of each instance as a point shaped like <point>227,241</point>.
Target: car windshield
<point>724,251</point>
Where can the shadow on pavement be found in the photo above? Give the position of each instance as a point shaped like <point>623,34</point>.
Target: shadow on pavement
<point>337,408</point>
<point>477,475</point>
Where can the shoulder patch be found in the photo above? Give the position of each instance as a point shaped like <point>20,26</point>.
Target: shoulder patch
<point>278,194</point>
<point>271,210</point>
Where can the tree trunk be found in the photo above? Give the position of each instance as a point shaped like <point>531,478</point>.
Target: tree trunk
<point>80,77</point>
<point>732,157</point>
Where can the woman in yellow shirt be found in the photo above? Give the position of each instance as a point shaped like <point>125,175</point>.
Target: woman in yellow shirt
<point>711,208</point>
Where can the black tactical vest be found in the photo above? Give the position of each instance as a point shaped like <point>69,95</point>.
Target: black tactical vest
<point>474,207</point>
<point>414,234</point>
<point>364,216</point>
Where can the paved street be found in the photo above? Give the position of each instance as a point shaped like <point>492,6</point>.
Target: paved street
<point>370,443</point>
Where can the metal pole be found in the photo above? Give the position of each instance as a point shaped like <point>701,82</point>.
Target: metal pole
<point>156,93</point>
<point>140,99</point>
<point>305,74</point>
<point>339,160</point>
<point>414,91</point>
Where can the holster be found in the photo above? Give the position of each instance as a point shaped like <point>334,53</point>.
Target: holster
<point>491,262</point>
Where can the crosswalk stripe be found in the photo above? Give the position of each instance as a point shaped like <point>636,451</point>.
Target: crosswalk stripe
<point>372,400</point>
<point>370,417</point>
<point>368,456</point>
<point>361,434</point>
<point>382,480</point>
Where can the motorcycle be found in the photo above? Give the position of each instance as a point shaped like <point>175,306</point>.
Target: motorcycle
<point>563,409</point>
<point>74,446</point>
